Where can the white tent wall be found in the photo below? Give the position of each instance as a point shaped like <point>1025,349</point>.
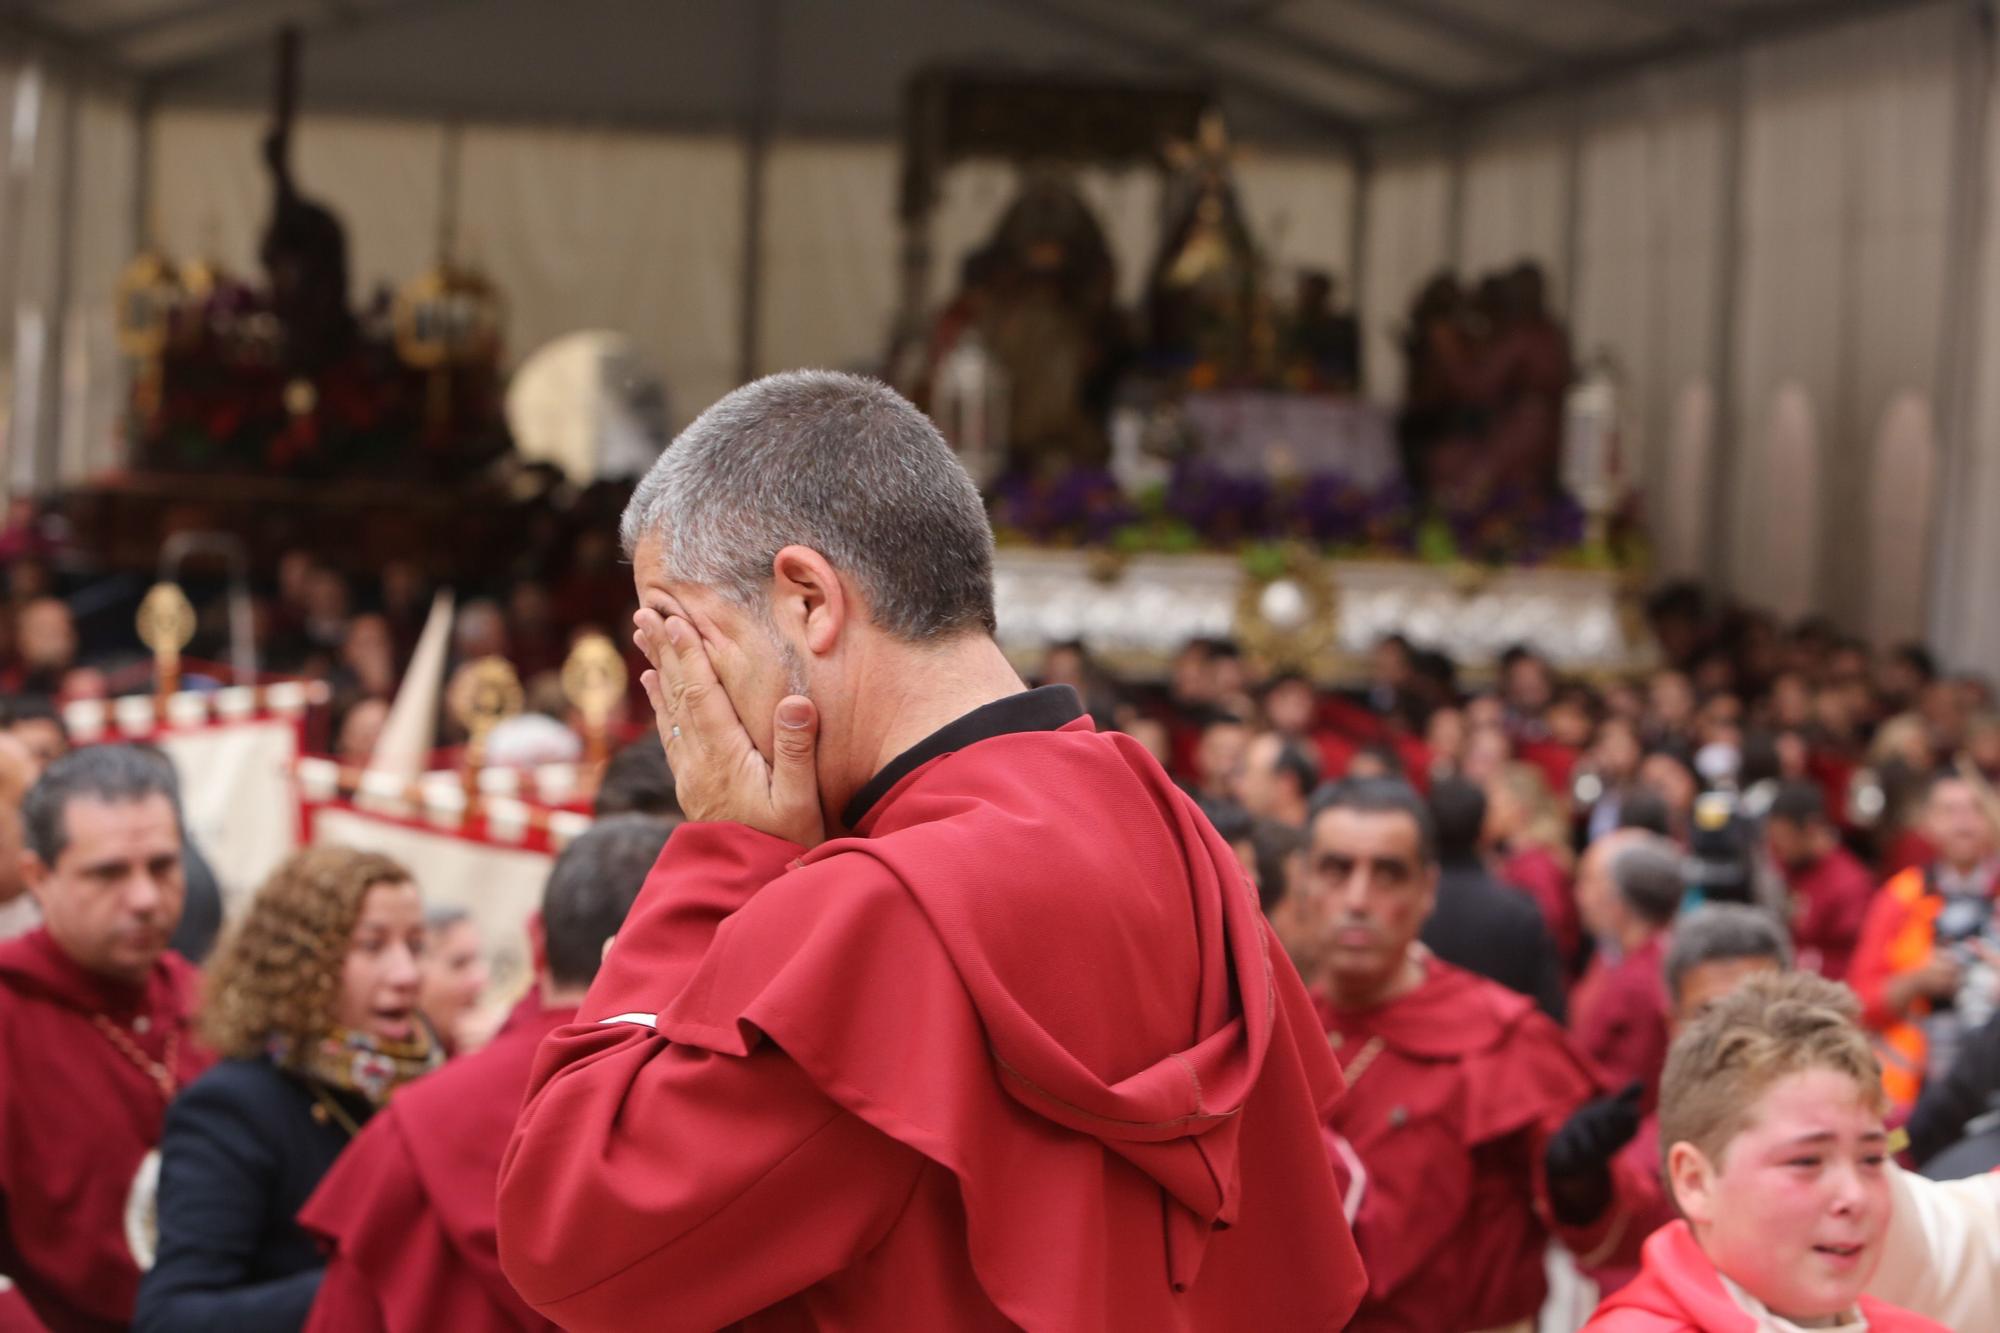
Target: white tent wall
<point>1408,238</point>
<point>1516,193</point>
<point>1648,251</point>
<point>1846,152</point>
<point>68,167</point>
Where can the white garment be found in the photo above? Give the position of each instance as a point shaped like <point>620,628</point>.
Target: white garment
<point>19,916</point>
<point>1853,1322</point>
<point>1941,1258</point>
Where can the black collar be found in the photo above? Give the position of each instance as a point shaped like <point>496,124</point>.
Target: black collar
<point>1049,708</point>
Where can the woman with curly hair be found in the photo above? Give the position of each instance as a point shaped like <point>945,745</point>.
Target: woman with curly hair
<point>312,1003</point>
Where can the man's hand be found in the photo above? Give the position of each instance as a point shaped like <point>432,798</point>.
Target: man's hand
<point>1937,979</point>
<point>718,772</point>
<point>1578,1156</point>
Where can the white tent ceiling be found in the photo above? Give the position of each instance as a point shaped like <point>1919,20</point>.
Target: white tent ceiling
<point>1285,68</point>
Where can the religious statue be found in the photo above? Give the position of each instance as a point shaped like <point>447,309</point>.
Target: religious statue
<point>1207,314</point>
<point>1044,310</point>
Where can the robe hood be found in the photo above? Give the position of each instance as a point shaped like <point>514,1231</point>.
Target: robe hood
<point>34,964</point>
<point>1174,1114</point>
<point>1056,920</point>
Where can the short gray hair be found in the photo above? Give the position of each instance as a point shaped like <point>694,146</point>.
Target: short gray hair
<point>835,462</point>
<point>1723,933</point>
<point>113,774</point>
<point>1650,876</point>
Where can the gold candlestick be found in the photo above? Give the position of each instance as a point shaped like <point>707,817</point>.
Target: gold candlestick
<point>594,679</point>
<point>481,695</point>
<point>166,625</point>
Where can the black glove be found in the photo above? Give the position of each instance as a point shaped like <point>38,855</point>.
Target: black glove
<point>1578,1156</point>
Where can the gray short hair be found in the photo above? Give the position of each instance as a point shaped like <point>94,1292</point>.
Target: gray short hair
<point>835,462</point>
<point>1651,877</point>
<point>1721,933</point>
<point>113,774</point>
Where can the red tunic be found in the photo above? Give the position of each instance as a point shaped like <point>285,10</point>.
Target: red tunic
<point>1453,1092</point>
<point>1620,1017</point>
<point>78,1116</point>
<point>1021,1054</point>
<point>1678,1291</point>
<point>408,1213</point>
<point>1829,901</point>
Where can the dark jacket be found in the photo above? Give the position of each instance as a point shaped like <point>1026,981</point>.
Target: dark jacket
<point>242,1151</point>
<point>1483,926</point>
<point>1967,1091</point>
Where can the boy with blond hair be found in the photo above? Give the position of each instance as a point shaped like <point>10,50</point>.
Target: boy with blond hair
<point>1771,1116</point>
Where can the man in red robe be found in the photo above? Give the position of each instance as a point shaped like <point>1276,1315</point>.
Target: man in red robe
<point>407,1211</point>
<point>95,1035</point>
<point>1455,1084</point>
<point>1013,1048</point>
<point>1829,888</point>
<point>1628,893</point>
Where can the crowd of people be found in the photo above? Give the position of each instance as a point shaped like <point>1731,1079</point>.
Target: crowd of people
<point>1693,977</point>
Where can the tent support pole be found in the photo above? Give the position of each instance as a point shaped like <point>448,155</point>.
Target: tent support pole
<point>1957,617</point>
<point>1726,470</point>
<point>756,156</point>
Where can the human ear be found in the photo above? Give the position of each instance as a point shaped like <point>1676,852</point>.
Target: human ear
<point>1692,1179</point>
<point>808,597</point>
<point>35,874</point>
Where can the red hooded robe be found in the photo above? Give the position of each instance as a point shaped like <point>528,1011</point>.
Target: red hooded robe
<point>408,1210</point>
<point>1618,1014</point>
<point>1022,1052</point>
<point>1678,1291</point>
<point>1453,1091</point>
<point>78,1116</point>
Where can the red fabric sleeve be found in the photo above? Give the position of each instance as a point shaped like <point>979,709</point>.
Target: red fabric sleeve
<point>705,872</point>
<point>698,1187</point>
<point>1870,971</point>
<point>345,1303</point>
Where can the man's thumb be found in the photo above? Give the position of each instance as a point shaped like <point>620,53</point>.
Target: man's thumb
<point>794,737</point>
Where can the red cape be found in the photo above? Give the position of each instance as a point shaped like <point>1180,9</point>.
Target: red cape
<point>1443,1130</point>
<point>1023,1052</point>
<point>1619,1017</point>
<point>407,1212</point>
<point>77,1118</point>
<point>1678,1291</point>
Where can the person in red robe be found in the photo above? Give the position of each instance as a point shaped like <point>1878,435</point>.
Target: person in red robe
<point>96,1035</point>
<point>1772,1109</point>
<point>1014,1048</point>
<point>1454,1086</point>
<point>407,1213</point>
<point>1829,886</point>
<point>1628,894</point>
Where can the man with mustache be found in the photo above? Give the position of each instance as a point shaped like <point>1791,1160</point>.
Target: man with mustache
<point>95,1035</point>
<point>944,1010</point>
<point>1455,1084</point>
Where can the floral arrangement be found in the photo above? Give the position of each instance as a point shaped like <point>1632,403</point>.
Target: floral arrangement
<point>1204,508</point>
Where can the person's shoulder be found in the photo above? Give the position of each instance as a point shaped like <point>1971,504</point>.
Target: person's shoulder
<point>242,1089</point>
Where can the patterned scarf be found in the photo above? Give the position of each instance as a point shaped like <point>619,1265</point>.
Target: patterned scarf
<point>362,1063</point>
